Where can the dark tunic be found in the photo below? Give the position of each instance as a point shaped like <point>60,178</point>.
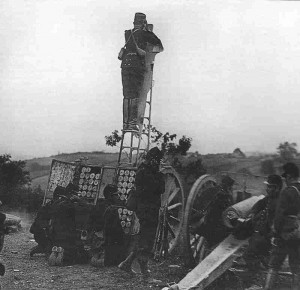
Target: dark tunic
<point>146,202</point>
<point>215,202</point>
<point>288,204</point>
<point>133,72</point>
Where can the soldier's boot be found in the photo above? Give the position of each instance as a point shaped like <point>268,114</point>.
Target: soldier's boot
<point>270,279</point>
<point>296,282</point>
<point>60,256</point>
<point>53,256</point>
<point>143,262</point>
<point>126,264</point>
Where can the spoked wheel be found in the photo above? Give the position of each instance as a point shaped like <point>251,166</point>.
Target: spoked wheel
<point>173,200</point>
<point>195,210</point>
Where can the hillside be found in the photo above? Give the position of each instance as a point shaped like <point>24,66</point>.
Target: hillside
<point>214,163</point>
<point>39,167</point>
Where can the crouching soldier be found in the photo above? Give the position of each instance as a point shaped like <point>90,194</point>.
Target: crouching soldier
<point>40,226</point>
<point>63,229</point>
<point>103,213</point>
<point>216,200</point>
<point>114,235</point>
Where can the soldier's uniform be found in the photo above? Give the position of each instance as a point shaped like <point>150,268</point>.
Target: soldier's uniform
<point>288,205</point>
<point>146,201</point>
<point>285,221</point>
<point>213,228</point>
<point>133,70</point>
<point>260,242</point>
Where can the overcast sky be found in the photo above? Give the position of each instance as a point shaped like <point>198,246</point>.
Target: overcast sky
<point>229,75</point>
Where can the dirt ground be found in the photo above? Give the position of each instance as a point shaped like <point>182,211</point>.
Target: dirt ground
<point>23,272</point>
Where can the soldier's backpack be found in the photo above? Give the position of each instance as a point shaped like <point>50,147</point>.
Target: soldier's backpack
<point>293,222</point>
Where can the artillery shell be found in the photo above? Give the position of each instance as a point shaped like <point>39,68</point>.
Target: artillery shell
<point>128,224</point>
<point>123,217</point>
<point>96,182</point>
<point>130,212</point>
<point>120,178</point>
<point>120,210</point>
<point>87,176</point>
<point>84,187</point>
<point>91,181</point>
<point>92,175</point>
<point>126,178</point>
<point>97,176</point>
<point>90,187</point>
<point>129,218</point>
<point>126,230</point>
<point>83,169</point>
<point>88,169</point>
<point>132,173</point>
<point>123,224</point>
<point>131,179</point>
<point>83,193</point>
<point>123,190</point>
<point>129,185</point>
<point>122,197</point>
<point>126,172</point>
<point>119,184</point>
<point>124,184</point>
<point>125,211</point>
<point>121,172</point>
<point>82,175</point>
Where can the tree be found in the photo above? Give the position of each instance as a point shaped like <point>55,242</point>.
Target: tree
<point>13,178</point>
<point>13,173</point>
<point>165,141</point>
<point>174,152</point>
<point>287,151</point>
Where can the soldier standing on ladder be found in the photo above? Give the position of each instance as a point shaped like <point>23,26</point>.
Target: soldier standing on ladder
<point>134,68</point>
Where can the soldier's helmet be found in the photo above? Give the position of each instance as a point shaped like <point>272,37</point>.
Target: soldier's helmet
<point>71,188</point>
<point>274,179</point>
<point>227,181</point>
<point>154,154</point>
<point>139,18</point>
<point>59,190</point>
<point>110,190</point>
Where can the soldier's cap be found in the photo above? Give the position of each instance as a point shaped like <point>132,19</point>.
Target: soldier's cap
<point>227,180</point>
<point>290,168</point>
<point>110,190</point>
<point>139,18</point>
<point>274,179</point>
<point>71,188</point>
<point>155,153</point>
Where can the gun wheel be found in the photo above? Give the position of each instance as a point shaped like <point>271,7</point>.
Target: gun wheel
<point>173,199</point>
<point>194,243</point>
